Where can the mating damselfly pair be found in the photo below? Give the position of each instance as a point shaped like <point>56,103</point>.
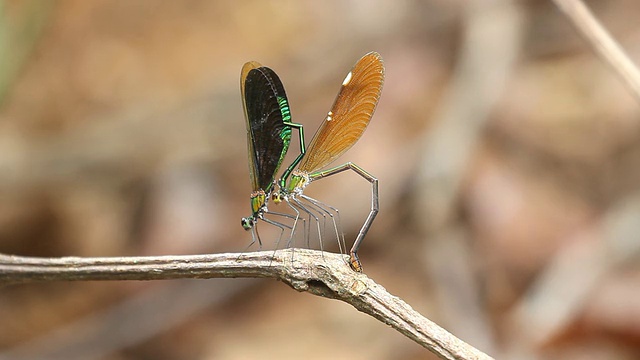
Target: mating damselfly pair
<point>269,132</point>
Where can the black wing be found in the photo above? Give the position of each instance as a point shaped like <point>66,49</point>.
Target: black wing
<point>268,136</point>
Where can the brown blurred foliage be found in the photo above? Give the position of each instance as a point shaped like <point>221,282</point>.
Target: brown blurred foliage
<point>122,133</point>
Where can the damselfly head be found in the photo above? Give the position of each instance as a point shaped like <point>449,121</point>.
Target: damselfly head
<point>277,197</point>
<point>248,222</point>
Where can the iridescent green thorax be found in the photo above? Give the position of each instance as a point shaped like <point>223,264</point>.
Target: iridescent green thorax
<point>258,200</point>
<point>299,180</point>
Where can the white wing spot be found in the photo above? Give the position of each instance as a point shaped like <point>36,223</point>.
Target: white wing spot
<point>330,116</point>
<point>347,80</point>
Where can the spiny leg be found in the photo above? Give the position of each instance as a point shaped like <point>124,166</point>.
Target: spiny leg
<point>293,227</point>
<point>306,226</point>
<point>318,210</point>
<point>330,210</point>
<point>375,206</point>
<point>280,225</point>
<point>254,236</point>
<point>293,203</point>
<point>311,214</point>
<point>295,223</point>
<point>317,206</point>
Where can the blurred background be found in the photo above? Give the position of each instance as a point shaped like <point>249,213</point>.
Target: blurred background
<point>507,155</point>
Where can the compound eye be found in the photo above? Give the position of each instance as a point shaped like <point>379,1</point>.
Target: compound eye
<point>247,223</point>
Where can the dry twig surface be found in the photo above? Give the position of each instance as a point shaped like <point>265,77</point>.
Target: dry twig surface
<point>312,271</point>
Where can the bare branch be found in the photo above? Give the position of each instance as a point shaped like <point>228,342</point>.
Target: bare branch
<point>605,46</point>
<point>316,272</point>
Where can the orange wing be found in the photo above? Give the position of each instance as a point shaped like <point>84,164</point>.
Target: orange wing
<point>349,116</point>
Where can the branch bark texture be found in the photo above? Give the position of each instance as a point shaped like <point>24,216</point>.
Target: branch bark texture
<point>320,273</point>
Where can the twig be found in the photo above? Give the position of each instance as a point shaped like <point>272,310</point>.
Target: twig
<point>319,273</point>
<point>602,42</point>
